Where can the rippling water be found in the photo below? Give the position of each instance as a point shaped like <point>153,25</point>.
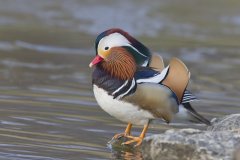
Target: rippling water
<point>47,108</point>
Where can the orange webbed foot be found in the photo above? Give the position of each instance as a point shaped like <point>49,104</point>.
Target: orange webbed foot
<point>125,134</point>
<point>137,140</point>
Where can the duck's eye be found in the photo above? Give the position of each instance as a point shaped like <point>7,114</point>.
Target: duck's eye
<point>106,48</point>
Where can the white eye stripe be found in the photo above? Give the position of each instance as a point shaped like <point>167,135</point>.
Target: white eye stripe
<point>113,40</point>
<point>136,50</point>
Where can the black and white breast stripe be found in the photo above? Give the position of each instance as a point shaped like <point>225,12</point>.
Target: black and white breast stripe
<point>128,87</point>
<point>114,86</point>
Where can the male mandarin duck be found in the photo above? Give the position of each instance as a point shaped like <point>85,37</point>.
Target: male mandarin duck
<point>131,84</point>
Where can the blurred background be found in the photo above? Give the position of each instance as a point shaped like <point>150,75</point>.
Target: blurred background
<point>47,108</point>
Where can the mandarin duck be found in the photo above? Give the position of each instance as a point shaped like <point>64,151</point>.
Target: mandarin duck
<point>132,84</point>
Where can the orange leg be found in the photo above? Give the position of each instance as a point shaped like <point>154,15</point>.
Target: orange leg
<point>139,139</point>
<point>127,132</point>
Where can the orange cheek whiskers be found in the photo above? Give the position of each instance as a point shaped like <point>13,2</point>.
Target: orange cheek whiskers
<point>120,64</point>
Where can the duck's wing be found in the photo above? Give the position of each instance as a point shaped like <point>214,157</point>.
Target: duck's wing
<point>157,63</point>
<point>177,78</point>
<point>149,75</point>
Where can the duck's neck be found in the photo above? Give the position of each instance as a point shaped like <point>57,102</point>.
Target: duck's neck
<point>119,64</point>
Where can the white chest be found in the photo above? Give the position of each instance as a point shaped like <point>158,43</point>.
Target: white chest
<point>121,110</point>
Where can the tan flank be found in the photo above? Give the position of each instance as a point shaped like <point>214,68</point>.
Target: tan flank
<point>155,99</point>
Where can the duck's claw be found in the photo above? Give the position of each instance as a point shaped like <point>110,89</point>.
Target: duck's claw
<point>137,140</point>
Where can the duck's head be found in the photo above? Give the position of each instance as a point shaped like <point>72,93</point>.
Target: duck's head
<point>118,38</point>
<point>119,53</point>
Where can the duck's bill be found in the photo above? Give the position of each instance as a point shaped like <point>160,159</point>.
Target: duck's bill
<point>95,61</point>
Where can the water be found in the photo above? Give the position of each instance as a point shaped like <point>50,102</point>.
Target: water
<point>47,108</point>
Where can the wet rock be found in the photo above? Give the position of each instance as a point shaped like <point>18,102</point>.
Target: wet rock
<point>227,123</point>
<point>218,142</point>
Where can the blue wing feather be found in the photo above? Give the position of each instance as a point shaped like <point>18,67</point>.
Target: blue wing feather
<point>148,75</point>
<point>145,72</point>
